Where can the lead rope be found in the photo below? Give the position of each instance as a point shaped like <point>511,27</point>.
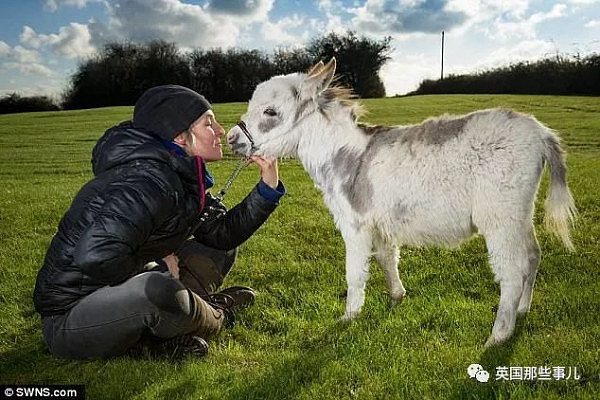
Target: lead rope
<point>241,165</point>
<point>233,176</point>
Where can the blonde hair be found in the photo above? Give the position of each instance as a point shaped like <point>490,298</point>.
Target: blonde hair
<point>189,136</point>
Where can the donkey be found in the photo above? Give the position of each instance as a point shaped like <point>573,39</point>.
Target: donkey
<point>434,183</point>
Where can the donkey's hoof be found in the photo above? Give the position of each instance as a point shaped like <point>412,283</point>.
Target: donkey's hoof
<point>523,310</point>
<point>397,298</point>
<point>349,317</point>
<point>493,341</point>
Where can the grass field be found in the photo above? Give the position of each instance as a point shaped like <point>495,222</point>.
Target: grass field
<point>290,345</point>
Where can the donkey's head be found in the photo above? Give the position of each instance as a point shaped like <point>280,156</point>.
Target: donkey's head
<point>279,110</point>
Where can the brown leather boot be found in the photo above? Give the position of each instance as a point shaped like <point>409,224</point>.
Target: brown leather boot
<point>208,319</point>
<point>173,349</point>
<point>233,297</point>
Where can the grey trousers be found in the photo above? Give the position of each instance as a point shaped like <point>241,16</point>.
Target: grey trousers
<point>109,321</point>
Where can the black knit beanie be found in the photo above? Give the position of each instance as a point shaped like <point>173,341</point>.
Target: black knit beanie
<point>168,110</point>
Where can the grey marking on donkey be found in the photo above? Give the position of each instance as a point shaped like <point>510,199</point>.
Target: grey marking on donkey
<point>401,213</point>
<point>431,132</point>
<point>268,124</point>
<point>301,108</point>
<point>349,165</point>
<point>439,131</point>
<point>510,114</point>
<point>295,93</point>
<point>327,183</point>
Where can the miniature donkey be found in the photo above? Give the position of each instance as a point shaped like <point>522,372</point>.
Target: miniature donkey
<point>434,183</point>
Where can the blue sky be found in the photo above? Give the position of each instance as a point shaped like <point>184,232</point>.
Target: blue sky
<point>42,41</point>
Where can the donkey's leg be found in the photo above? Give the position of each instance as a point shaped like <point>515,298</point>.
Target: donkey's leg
<point>358,252</point>
<point>510,263</point>
<point>533,253</point>
<point>387,255</point>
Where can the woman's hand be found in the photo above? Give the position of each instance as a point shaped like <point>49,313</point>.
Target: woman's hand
<point>172,262</point>
<point>268,170</point>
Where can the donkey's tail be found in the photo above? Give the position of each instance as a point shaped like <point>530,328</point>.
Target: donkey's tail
<point>560,207</point>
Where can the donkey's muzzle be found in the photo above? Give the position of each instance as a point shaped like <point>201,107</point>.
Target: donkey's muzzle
<point>235,141</point>
<point>240,139</point>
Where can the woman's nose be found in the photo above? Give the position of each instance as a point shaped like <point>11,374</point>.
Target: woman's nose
<point>219,131</point>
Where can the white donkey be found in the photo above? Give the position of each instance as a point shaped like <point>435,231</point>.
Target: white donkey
<point>435,183</point>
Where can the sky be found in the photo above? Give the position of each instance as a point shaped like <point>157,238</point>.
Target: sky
<point>43,41</point>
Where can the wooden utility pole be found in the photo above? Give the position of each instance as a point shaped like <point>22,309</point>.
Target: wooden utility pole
<point>442,76</point>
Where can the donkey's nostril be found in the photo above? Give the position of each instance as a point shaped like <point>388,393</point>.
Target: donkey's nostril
<point>231,137</point>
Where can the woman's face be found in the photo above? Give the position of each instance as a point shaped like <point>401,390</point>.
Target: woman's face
<point>206,143</point>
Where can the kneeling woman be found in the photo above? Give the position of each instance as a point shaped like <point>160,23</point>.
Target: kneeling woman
<point>121,272</point>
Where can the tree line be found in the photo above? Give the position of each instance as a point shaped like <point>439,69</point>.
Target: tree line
<point>121,72</point>
<point>14,103</point>
<point>558,75</point>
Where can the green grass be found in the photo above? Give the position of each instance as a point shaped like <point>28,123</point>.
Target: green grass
<point>290,344</point>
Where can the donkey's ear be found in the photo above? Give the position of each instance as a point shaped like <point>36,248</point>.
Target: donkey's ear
<point>321,80</point>
<point>315,69</point>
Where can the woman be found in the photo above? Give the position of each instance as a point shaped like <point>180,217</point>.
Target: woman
<point>120,271</point>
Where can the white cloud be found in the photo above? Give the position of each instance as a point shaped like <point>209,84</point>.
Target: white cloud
<point>334,24</point>
<point>557,11</point>
<point>281,30</point>
<point>528,50</point>
<point>53,5</point>
<point>23,55</point>
<point>4,49</point>
<point>30,68</point>
<point>407,16</point>
<point>72,41</point>
<point>189,25</point>
<point>251,10</point>
<point>30,38</point>
<point>325,5</point>
<point>504,29</point>
<point>331,6</point>
<point>593,24</point>
<point>332,18</point>
<point>49,87</point>
<point>404,72</point>
<point>26,61</point>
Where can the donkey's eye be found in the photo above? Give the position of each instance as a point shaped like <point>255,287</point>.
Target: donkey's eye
<point>270,112</point>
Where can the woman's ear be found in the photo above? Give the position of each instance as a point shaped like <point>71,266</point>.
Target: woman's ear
<point>180,139</point>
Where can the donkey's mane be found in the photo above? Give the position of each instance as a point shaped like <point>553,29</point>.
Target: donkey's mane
<point>344,96</point>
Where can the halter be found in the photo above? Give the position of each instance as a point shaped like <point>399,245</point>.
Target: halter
<point>244,129</point>
<point>242,164</point>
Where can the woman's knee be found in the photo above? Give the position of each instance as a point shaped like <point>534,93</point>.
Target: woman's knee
<point>165,292</point>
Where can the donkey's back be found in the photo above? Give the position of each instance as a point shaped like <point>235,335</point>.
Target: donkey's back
<point>439,181</point>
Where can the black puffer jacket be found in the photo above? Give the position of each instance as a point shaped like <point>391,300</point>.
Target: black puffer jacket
<point>141,205</point>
